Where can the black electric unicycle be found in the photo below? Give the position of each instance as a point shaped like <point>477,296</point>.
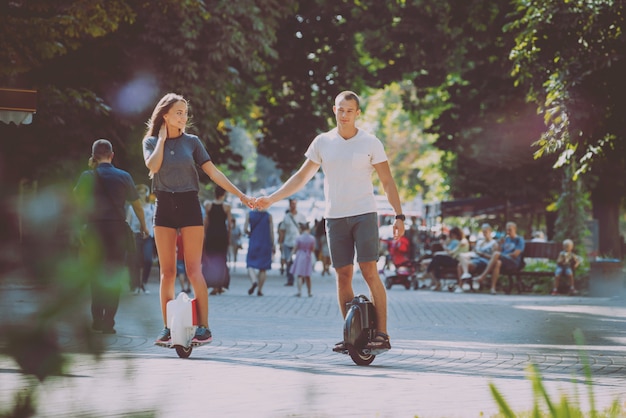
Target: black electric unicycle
<point>359,329</point>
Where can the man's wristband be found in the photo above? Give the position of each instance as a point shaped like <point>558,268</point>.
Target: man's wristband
<point>401,217</point>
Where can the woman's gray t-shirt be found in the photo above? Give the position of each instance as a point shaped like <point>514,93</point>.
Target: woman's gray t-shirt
<point>178,171</point>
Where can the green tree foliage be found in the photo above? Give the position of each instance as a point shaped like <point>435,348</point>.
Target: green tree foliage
<point>460,89</point>
<point>481,120</point>
<point>570,56</point>
<point>316,59</point>
<point>412,156</point>
<point>97,80</point>
<point>34,32</point>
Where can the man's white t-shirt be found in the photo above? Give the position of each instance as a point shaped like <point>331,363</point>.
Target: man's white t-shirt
<point>347,165</point>
<point>291,226</point>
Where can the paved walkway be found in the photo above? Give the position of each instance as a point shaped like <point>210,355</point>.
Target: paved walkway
<point>271,357</point>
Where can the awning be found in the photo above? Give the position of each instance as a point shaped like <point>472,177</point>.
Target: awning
<point>477,206</point>
<point>17,106</point>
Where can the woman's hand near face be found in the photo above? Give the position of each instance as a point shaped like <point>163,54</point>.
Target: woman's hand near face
<point>163,132</point>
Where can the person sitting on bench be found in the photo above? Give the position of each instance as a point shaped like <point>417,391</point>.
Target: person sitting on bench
<point>509,259</point>
<point>476,261</point>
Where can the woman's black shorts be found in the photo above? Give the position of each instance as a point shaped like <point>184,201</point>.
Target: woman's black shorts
<point>177,210</point>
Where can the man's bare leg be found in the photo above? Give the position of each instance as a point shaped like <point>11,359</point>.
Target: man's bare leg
<point>377,293</point>
<point>345,293</point>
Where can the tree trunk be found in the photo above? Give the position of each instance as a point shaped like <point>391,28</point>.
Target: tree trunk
<point>606,209</point>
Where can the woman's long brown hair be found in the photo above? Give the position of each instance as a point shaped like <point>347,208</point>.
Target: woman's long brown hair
<point>164,105</point>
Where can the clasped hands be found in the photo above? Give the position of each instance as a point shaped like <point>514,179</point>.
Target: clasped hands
<point>257,203</point>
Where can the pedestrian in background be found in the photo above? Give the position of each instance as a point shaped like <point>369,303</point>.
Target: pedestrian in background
<point>260,230</point>
<point>102,193</point>
<point>290,227</point>
<point>302,266</point>
<point>216,236</point>
<point>172,156</point>
<point>323,247</point>
<point>141,266</point>
<point>281,239</point>
<point>234,245</point>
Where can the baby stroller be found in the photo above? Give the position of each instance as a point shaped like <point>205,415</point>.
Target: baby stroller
<point>405,269</point>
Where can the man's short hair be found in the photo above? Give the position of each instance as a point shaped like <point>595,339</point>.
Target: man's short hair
<point>348,95</point>
<point>101,148</point>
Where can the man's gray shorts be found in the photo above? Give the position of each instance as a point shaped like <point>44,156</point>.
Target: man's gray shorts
<point>346,234</point>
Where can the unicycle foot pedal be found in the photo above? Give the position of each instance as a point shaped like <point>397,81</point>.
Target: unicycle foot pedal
<point>374,351</point>
<point>164,344</point>
<point>340,348</point>
<point>200,343</point>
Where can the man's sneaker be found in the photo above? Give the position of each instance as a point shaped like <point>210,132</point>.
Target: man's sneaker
<point>203,335</point>
<point>466,276</point>
<point>164,337</point>
<point>379,344</point>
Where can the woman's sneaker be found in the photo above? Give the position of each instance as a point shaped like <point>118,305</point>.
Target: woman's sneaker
<point>203,336</point>
<point>164,337</point>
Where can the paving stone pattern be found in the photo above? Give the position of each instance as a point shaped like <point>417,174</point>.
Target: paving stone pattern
<point>271,356</point>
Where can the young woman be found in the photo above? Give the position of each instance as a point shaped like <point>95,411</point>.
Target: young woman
<point>172,156</point>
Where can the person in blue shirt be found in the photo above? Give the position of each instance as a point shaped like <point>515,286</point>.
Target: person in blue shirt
<point>509,258</point>
<point>102,193</point>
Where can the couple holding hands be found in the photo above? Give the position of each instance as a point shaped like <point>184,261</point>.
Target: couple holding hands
<point>347,155</point>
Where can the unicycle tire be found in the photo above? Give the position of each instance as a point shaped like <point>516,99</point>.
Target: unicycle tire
<point>183,352</point>
<point>360,358</point>
<point>358,325</point>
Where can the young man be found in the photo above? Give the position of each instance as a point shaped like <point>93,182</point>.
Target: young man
<point>348,155</point>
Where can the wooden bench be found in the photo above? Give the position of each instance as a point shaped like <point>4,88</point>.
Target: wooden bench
<point>532,250</point>
<point>515,278</point>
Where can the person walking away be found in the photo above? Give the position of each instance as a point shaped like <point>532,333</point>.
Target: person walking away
<point>348,155</point>
<point>566,263</point>
<point>290,229</point>
<point>324,251</point>
<point>141,266</point>
<point>280,231</point>
<point>172,156</point>
<point>302,266</point>
<point>260,229</point>
<point>216,236</point>
<point>101,194</point>
<point>234,244</point>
